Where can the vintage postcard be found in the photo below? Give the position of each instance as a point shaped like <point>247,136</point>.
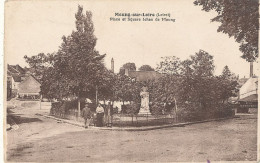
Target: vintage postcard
<point>131,81</point>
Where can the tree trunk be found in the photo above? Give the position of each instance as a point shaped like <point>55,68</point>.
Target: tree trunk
<point>40,101</point>
<point>78,107</point>
<point>176,108</point>
<point>96,95</point>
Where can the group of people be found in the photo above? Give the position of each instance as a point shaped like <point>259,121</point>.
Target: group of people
<point>100,117</point>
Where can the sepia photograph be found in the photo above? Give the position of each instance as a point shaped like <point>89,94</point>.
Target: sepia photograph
<point>131,81</point>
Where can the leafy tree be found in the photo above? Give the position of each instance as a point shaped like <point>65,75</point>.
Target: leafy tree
<point>229,84</point>
<point>146,68</point>
<point>165,90</point>
<point>107,87</point>
<point>169,65</point>
<point>40,63</point>
<point>199,85</point>
<point>79,63</point>
<point>202,64</point>
<point>227,74</point>
<point>77,68</point>
<point>239,19</point>
<point>196,78</point>
<point>125,89</point>
<point>129,66</point>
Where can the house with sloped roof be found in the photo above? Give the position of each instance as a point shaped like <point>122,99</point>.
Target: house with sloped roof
<point>248,92</point>
<point>248,96</point>
<point>20,82</point>
<point>18,69</point>
<point>16,80</point>
<point>241,82</point>
<point>30,87</point>
<point>14,77</point>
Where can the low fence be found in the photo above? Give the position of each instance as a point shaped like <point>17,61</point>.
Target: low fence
<point>245,107</point>
<point>123,120</point>
<point>126,120</point>
<point>119,120</point>
<point>60,111</point>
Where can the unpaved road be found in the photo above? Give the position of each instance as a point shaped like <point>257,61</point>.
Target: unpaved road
<point>40,139</point>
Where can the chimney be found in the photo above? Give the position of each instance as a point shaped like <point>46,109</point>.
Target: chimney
<point>251,69</point>
<point>112,65</point>
<point>126,72</point>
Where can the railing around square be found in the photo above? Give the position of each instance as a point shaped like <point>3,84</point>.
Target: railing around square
<point>124,120</point>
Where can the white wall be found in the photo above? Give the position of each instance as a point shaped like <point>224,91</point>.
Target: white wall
<point>249,88</point>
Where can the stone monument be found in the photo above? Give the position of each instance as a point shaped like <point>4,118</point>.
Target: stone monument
<point>144,102</point>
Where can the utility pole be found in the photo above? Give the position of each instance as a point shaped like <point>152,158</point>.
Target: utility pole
<point>251,70</point>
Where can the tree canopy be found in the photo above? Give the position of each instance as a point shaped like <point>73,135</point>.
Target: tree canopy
<point>194,83</point>
<point>239,19</point>
<point>169,65</point>
<point>130,66</point>
<point>227,74</point>
<point>146,68</point>
<point>39,63</point>
<point>202,64</point>
<point>77,68</point>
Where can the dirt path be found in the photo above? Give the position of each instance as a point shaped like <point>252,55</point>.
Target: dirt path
<point>32,128</point>
<point>46,140</point>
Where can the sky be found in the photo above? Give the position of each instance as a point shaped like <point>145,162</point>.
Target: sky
<point>33,27</point>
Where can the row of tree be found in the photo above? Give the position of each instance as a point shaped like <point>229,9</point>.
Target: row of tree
<point>77,70</point>
<point>191,81</point>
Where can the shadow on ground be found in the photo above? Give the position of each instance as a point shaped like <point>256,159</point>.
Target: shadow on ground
<point>19,119</point>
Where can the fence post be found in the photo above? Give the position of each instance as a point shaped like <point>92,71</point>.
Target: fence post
<point>132,119</point>
<point>40,102</point>
<point>120,120</point>
<point>78,109</point>
<point>176,108</point>
<point>136,119</point>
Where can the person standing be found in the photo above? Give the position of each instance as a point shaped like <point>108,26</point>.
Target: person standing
<point>106,108</point>
<point>86,113</point>
<point>100,115</point>
<point>109,114</point>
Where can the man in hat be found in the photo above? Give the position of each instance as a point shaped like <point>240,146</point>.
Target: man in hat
<point>87,114</point>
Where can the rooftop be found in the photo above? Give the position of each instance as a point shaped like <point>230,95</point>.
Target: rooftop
<point>145,75</point>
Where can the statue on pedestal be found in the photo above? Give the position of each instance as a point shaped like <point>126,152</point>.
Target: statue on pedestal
<point>144,102</point>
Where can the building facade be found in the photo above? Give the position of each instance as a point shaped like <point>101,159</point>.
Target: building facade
<point>21,83</point>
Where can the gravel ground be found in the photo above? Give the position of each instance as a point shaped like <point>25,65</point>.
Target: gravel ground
<point>40,139</point>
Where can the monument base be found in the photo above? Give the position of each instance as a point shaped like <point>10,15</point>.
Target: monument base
<point>144,112</point>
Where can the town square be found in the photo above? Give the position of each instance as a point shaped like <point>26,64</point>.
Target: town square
<point>115,81</point>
